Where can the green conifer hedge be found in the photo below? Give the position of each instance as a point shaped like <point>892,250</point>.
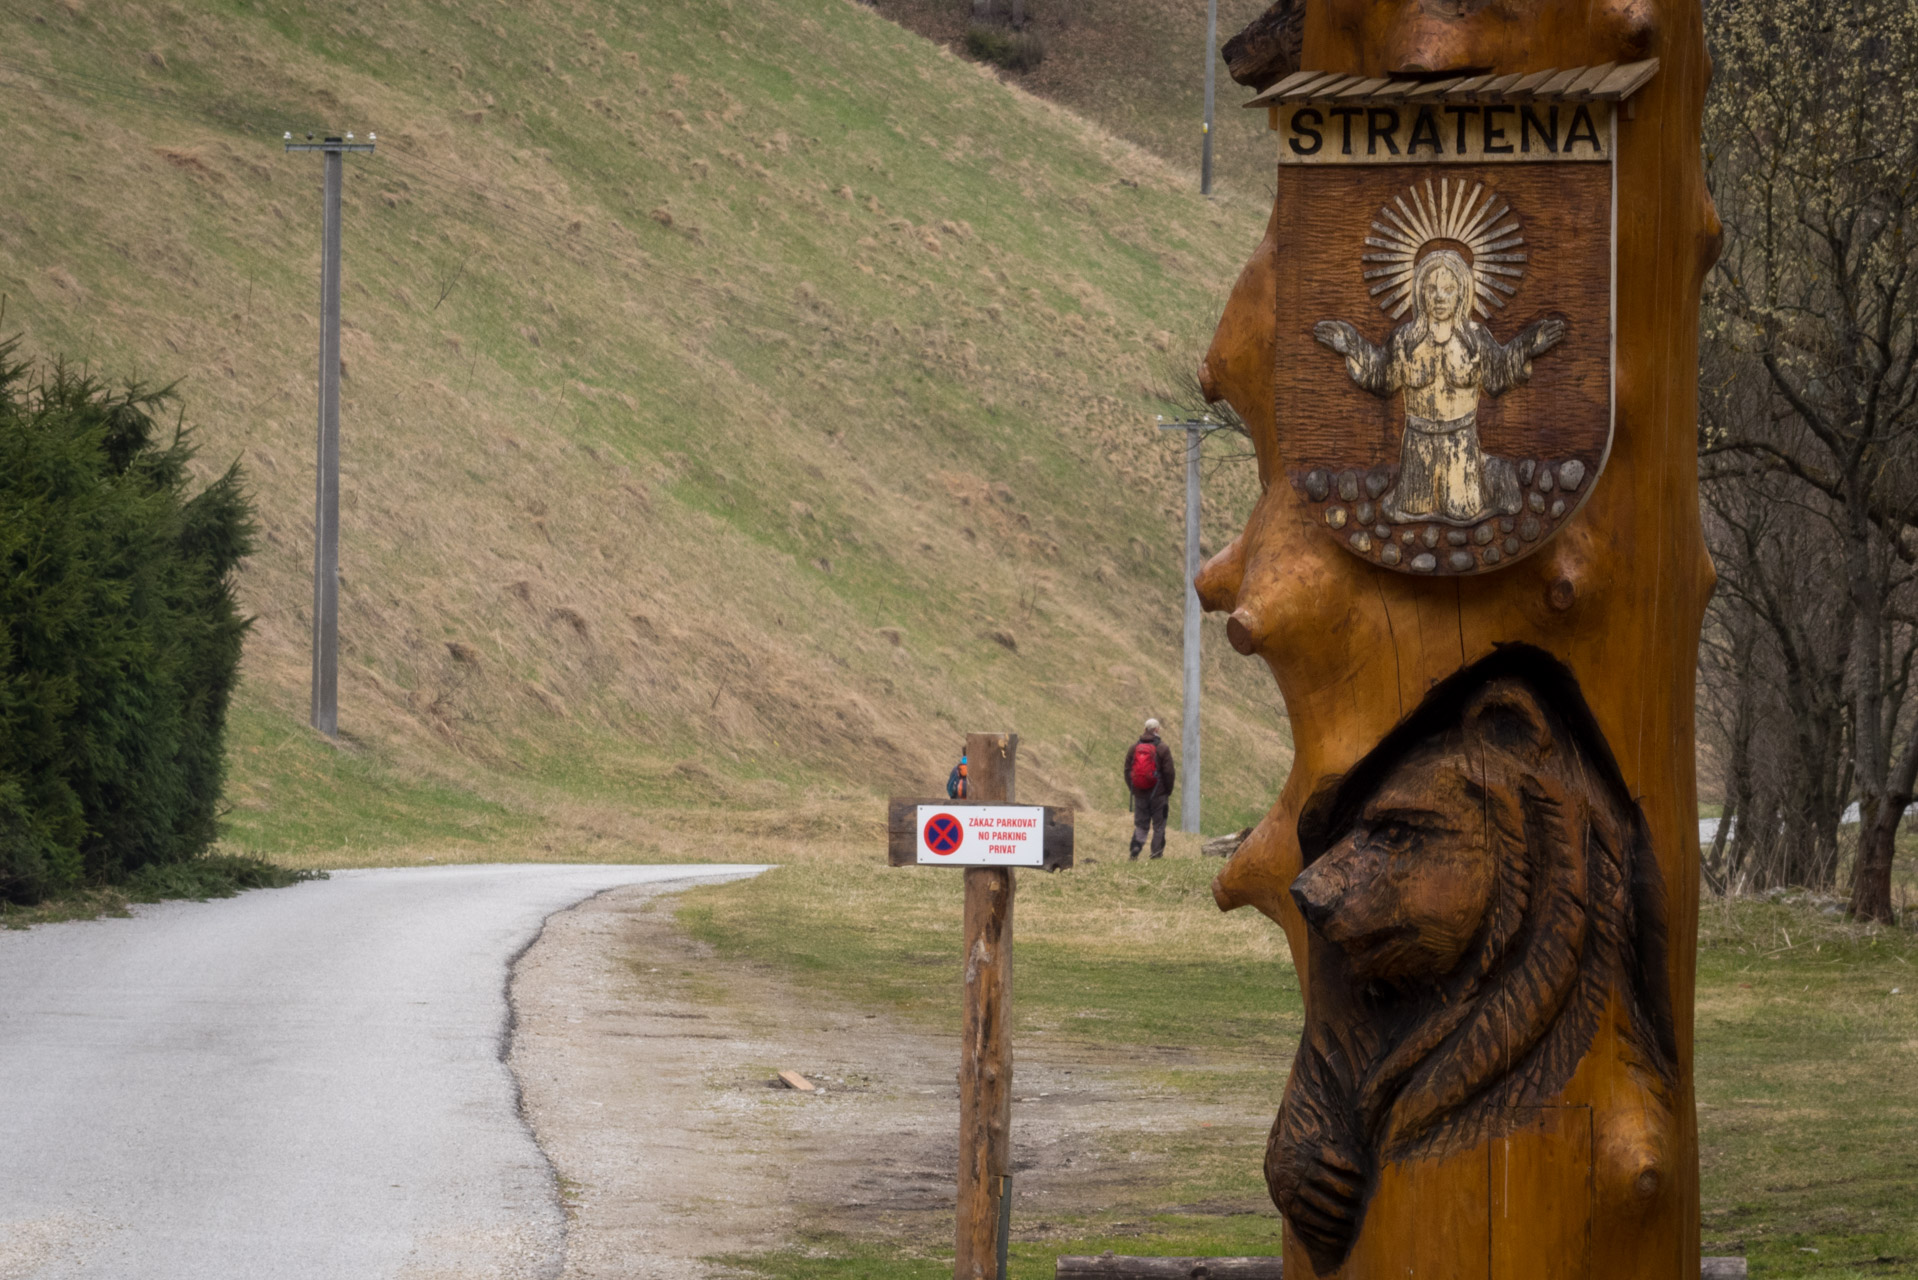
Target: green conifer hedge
<point>119,633</point>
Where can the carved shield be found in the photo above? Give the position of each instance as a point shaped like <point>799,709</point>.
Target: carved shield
<point>1446,276</point>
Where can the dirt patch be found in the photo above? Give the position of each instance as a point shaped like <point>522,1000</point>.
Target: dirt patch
<point>29,1245</point>
<point>646,1064</point>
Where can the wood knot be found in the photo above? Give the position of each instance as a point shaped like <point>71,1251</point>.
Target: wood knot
<point>1238,630</point>
<point>1562,594</point>
<point>1208,385</point>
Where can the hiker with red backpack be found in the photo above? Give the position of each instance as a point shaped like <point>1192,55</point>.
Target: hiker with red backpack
<point>1149,775</point>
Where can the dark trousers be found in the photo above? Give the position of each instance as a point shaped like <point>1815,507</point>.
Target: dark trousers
<point>1149,810</point>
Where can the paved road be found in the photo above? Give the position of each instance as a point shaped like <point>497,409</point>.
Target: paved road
<point>302,1082</point>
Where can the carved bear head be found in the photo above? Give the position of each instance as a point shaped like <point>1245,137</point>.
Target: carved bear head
<point>1485,891</point>
<point>1406,892</point>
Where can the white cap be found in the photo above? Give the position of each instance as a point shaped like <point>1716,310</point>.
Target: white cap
<point>1152,726</point>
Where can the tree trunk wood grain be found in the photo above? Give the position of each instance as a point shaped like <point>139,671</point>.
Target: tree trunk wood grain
<point>1267,50</point>
<point>1572,1151</point>
<point>985,1066</point>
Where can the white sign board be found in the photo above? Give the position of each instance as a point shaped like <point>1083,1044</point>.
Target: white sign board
<point>982,835</point>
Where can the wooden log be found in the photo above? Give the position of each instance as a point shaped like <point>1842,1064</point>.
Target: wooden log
<point>985,1066</point>
<point>902,830</point>
<point>1224,846</point>
<point>1107,1266</point>
<point>1120,1267</point>
<point>1456,1109</point>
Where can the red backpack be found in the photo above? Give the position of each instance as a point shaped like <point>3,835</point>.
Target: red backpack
<point>1142,774</point>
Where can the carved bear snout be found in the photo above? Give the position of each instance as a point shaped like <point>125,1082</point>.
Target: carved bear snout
<point>1404,892</point>
<point>1318,892</point>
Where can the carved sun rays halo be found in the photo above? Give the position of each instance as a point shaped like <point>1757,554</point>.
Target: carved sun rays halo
<point>1404,229</point>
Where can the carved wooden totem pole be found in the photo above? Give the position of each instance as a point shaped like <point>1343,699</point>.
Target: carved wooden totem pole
<point>1467,353</point>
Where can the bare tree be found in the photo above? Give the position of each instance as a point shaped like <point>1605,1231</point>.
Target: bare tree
<point>1773,689</point>
<point>1814,164</point>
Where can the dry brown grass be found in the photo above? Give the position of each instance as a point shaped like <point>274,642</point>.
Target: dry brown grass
<point>688,417</point>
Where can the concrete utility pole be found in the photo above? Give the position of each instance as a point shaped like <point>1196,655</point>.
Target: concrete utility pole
<point>326,499</point>
<point>1196,429</point>
<point>1211,65</point>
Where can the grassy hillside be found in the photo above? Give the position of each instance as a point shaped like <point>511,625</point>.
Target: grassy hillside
<point>1138,68</point>
<point>743,399</point>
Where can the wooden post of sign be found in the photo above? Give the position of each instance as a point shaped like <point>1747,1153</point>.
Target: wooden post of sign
<point>1466,353</point>
<point>985,1067</point>
<point>985,1064</point>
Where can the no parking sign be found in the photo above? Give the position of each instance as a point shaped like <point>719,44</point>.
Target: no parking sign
<point>988,840</point>
<point>982,835</point>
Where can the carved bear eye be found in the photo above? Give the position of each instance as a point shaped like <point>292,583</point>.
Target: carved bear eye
<point>1394,834</point>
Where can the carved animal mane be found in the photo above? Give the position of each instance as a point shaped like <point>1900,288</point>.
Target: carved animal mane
<point>1514,1019</point>
<point>1573,925</point>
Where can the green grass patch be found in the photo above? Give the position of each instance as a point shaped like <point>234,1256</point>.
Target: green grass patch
<point>1131,958</point>
<point>1806,1055</point>
<point>294,795</point>
<point>1112,952</point>
<point>836,1258</point>
<point>1807,1081</point>
<point>827,1256</point>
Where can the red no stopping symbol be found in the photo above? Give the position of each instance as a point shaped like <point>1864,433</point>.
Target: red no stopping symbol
<point>944,834</point>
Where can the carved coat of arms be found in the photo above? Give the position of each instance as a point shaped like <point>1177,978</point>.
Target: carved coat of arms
<point>1445,307</point>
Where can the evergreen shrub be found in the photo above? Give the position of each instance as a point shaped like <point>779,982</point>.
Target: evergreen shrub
<point>119,633</point>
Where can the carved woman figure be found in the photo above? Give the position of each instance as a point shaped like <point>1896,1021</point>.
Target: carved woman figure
<point>1443,360</point>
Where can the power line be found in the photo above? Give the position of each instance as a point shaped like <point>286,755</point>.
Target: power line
<point>553,231</point>
<point>563,234</point>
<point>558,233</point>
<point>77,82</point>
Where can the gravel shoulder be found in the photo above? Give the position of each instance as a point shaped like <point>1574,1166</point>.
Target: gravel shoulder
<point>646,1065</point>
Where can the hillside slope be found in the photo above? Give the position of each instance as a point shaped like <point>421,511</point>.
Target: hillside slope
<point>743,399</point>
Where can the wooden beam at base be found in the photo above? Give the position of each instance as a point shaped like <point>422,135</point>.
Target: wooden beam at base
<point>1107,1266</point>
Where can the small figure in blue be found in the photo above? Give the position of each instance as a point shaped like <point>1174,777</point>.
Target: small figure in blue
<point>956,784</point>
<point>1149,776</point>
